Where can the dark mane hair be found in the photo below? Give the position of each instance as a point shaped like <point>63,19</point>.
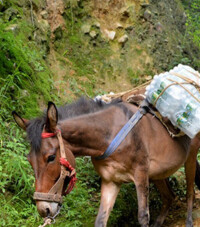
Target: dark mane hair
<point>80,107</point>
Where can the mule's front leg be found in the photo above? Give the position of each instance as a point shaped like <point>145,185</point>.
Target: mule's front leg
<point>109,191</point>
<point>142,187</point>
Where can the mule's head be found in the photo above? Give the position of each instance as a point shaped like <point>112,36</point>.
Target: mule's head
<point>45,159</point>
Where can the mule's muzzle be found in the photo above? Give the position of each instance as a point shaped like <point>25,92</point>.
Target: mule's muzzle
<point>46,209</point>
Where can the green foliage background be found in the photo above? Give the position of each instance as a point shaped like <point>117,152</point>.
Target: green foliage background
<point>25,82</point>
<point>193,21</point>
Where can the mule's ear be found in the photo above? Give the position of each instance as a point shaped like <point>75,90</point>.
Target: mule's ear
<point>22,123</point>
<point>52,117</point>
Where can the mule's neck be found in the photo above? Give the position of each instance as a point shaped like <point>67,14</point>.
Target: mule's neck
<point>88,135</point>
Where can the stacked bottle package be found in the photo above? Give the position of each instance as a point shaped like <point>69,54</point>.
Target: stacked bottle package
<point>180,106</point>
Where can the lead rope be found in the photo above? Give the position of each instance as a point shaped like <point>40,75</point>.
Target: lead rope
<point>48,220</point>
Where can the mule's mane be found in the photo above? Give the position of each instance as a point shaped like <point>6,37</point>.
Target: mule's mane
<point>80,107</point>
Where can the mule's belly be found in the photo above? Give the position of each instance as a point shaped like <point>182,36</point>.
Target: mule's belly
<point>157,171</point>
<point>162,167</point>
<point>113,171</point>
<point>160,172</point>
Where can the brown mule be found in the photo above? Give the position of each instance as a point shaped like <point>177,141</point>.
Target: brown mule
<point>147,153</point>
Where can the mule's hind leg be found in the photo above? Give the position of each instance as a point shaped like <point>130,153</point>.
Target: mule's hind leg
<point>167,197</point>
<point>109,192</point>
<point>190,170</point>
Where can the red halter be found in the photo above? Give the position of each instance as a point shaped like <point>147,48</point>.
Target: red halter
<point>55,193</point>
<point>64,162</point>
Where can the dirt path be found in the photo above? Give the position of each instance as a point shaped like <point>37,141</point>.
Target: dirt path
<point>177,214</point>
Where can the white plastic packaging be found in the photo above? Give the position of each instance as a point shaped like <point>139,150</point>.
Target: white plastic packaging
<point>174,102</point>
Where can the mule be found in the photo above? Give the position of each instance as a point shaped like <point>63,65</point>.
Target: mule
<point>87,128</point>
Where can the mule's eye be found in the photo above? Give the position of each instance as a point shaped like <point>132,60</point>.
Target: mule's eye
<point>51,158</point>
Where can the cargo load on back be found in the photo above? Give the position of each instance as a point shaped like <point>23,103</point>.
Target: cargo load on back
<point>176,95</point>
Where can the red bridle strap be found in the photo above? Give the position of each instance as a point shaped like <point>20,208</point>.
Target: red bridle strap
<point>49,134</point>
<point>65,163</point>
<point>73,178</point>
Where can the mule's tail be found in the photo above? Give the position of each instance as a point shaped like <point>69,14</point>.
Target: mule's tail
<point>197,176</point>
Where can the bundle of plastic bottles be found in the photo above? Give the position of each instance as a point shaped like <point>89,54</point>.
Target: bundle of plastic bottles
<point>176,95</point>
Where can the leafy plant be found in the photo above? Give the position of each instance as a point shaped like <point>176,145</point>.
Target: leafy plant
<point>193,20</point>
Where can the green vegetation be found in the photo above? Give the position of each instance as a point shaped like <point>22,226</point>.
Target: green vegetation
<point>193,22</point>
<point>193,27</point>
<point>27,84</point>
<point>22,71</point>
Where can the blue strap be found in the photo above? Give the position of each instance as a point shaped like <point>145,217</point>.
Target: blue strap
<point>121,135</point>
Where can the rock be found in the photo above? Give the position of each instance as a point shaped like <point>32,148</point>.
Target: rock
<point>43,25</point>
<point>86,28</point>
<point>13,27</point>
<point>147,15</point>
<point>44,14</point>
<point>144,3</point>
<point>97,24</point>
<point>119,25</point>
<point>110,34</point>
<point>123,39</point>
<point>148,77</point>
<point>159,27</point>
<point>93,34</point>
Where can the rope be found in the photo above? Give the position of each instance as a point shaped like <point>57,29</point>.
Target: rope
<point>46,222</point>
<point>188,81</point>
<point>120,94</point>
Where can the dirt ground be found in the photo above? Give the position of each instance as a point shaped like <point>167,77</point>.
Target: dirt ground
<point>177,214</point>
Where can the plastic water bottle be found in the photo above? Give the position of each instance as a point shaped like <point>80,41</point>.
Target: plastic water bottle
<point>190,120</point>
<point>162,103</point>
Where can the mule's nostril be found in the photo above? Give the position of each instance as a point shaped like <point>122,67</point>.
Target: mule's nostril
<point>48,211</point>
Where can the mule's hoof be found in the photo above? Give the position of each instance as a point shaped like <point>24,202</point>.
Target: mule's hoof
<point>156,224</point>
<point>189,224</point>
